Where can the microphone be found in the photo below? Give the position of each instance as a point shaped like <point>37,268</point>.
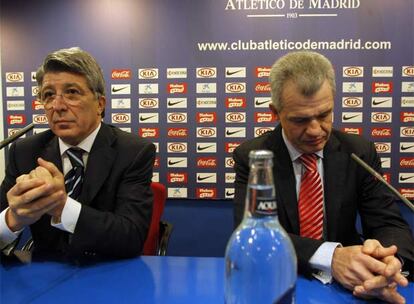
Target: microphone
<point>382,180</point>
<point>16,135</point>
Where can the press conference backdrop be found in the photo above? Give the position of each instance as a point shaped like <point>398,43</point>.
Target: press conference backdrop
<point>192,76</point>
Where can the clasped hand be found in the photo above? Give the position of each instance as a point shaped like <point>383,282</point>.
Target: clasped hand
<point>370,270</point>
<point>42,191</point>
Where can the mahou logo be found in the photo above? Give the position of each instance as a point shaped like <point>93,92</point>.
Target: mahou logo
<point>206,162</point>
<point>381,132</point>
<point>262,87</point>
<point>407,192</point>
<point>353,71</point>
<point>206,193</point>
<point>40,119</point>
<point>16,119</point>
<point>157,162</point>
<point>148,73</point>
<point>206,73</point>
<point>121,74</point>
<point>235,87</point>
<point>209,117</point>
<point>121,117</point>
<point>407,116</point>
<point>387,177</point>
<point>264,117</point>
<point>149,132</point>
<point>382,87</point>
<point>357,131</point>
<point>177,88</point>
<point>177,117</point>
<point>231,146</point>
<point>148,103</point>
<point>177,132</point>
<point>407,131</point>
<point>381,117</point>
<point>235,102</point>
<point>36,105</point>
<point>383,147</point>
<point>262,72</point>
<point>177,177</point>
<point>407,162</point>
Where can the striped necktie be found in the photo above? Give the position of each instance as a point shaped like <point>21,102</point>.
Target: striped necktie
<point>311,199</point>
<point>74,178</point>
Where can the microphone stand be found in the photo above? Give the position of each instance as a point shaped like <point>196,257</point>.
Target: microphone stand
<point>16,135</point>
<point>382,180</point>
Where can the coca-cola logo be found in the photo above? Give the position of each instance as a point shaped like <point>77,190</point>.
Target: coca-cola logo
<point>206,72</point>
<point>353,71</point>
<point>382,147</point>
<point>149,132</point>
<point>206,132</point>
<point>206,192</point>
<point>262,87</point>
<point>177,132</point>
<point>352,102</point>
<point>206,162</point>
<point>381,132</point>
<point>382,87</point>
<point>177,88</point>
<point>120,117</point>
<point>407,162</point>
<point>262,72</point>
<point>121,74</point>
<point>381,117</point>
<point>148,103</point>
<point>148,73</point>
<point>177,147</point>
<point>235,87</point>
<point>177,117</point>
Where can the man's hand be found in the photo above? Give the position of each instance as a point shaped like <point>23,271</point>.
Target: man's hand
<point>39,192</point>
<point>364,269</point>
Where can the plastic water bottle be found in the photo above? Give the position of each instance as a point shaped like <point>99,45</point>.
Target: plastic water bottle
<point>261,265</point>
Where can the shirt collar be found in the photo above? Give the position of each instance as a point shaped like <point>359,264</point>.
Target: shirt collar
<point>85,145</point>
<point>293,152</point>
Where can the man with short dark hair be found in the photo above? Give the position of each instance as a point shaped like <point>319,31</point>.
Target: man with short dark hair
<point>83,187</point>
<point>321,190</point>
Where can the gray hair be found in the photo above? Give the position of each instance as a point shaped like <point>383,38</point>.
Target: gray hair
<point>308,70</point>
<point>74,60</point>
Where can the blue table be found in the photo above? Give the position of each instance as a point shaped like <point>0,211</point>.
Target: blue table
<point>142,280</point>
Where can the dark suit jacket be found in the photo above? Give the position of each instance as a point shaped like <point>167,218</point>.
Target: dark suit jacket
<point>116,196</point>
<point>348,189</point>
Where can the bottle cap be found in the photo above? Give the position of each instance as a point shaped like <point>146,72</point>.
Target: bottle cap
<point>260,154</point>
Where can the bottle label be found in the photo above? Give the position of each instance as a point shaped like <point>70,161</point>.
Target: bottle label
<point>265,207</point>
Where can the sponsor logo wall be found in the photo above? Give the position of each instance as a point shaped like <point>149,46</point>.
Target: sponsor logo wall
<point>198,105</point>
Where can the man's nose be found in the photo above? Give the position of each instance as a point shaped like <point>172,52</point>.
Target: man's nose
<point>314,127</point>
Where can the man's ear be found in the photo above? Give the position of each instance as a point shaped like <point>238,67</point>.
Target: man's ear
<point>274,111</point>
<point>101,105</point>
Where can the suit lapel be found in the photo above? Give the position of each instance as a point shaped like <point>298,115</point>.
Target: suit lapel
<point>334,164</point>
<point>285,181</point>
<point>51,153</point>
<point>100,163</point>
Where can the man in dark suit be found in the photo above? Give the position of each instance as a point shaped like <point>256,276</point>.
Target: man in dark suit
<point>104,211</point>
<point>303,90</point>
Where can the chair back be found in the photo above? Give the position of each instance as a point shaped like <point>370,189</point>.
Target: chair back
<point>152,242</point>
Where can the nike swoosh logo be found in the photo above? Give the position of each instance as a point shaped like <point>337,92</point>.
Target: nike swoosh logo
<point>229,73</point>
<point>199,178</point>
<point>406,147</point>
<point>402,178</point>
<point>375,103</point>
<point>146,118</point>
<point>204,148</point>
<point>350,117</point>
<point>173,103</point>
<point>258,103</point>
<point>232,132</point>
<point>114,90</point>
<point>172,163</point>
<point>229,193</point>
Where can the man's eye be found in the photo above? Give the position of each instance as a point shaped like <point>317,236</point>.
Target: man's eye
<point>72,93</point>
<point>47,95</point>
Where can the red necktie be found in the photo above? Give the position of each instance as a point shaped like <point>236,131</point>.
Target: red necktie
<point>310,199</point>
